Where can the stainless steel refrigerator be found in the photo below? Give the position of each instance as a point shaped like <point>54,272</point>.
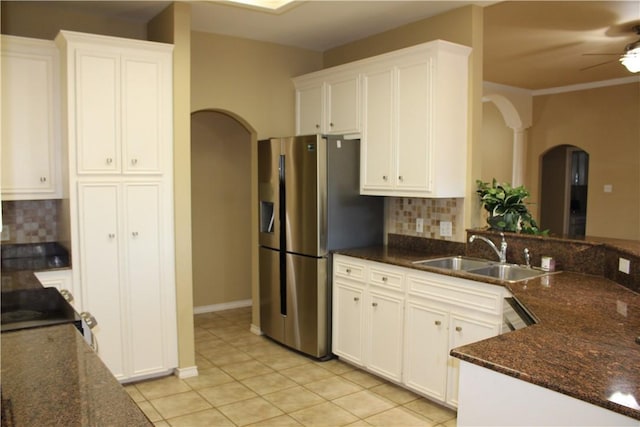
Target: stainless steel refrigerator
<point>309,205</point>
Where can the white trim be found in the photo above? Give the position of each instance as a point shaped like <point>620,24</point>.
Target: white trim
<point>255,330</point>
<point>191,371</point>
<point>586,86</point>
<point>222,306</point>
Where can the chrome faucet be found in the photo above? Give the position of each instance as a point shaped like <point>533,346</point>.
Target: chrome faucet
<point>502,253</point>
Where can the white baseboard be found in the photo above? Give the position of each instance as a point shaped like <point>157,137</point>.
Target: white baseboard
<point>222,306</point>
<point>191,371</point>
<point>255,330</point>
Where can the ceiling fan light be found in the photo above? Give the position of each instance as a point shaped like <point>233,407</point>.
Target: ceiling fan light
<point>631,60</point>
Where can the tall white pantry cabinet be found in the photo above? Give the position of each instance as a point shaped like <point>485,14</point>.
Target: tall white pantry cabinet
<point>117,111</point>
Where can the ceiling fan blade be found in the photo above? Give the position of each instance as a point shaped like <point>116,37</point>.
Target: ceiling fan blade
<point>597,65</point>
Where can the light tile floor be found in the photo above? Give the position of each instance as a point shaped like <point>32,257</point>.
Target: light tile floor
<point>248,380</point>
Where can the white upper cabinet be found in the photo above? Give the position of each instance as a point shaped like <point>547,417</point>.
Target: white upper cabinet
<point>328,104</point>
<point>122,93</point>
<point>30,121</point>
<point>409,108</point>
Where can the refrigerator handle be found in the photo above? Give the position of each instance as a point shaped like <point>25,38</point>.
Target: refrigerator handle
<point>283,236</point>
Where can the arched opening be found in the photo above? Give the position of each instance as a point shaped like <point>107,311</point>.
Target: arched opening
<point>221,211</point>
<point>563,190</point>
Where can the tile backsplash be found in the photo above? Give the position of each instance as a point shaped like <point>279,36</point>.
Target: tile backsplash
<point>31,221</point>
<point>402,213</point>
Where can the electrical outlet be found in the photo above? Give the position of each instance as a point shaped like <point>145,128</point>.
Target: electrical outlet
<point>419,225</point>
<point>6,235</point>
<point>624,265</point>
<point>446,228</point>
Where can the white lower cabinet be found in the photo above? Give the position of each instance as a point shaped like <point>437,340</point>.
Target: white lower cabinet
<point>409,322</point>
<point>126,287</point>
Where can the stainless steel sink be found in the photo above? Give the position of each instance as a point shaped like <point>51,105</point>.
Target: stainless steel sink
<point>508,272</point>
<point>454,263</point>
<point>485,268</point>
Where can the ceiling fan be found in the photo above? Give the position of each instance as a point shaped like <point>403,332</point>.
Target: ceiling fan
<point>630,58</point>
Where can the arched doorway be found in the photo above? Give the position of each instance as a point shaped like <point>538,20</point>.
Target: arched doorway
<point>221,211</point>
<point>563,190</point>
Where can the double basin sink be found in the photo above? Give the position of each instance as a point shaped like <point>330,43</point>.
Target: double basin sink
<point>507,272</point>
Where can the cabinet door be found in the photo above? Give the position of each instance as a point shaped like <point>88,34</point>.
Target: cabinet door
<point>464,330</point>
<point>348,332</point>
<point>426,350</point>
<point>343,105</point>
<point>97,86</point>
<point>100,268</point>
<point>30,132</point>
<point>143,105</point>
<point>376,147</point>
<point>309,114</point>
<point>147,336</point>
<point>414,127</point>
<point>384,352</point>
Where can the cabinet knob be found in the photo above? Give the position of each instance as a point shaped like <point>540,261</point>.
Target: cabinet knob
<point>458,328</point>
<point>400,178</point>
<point>356,299</point>
<point>331,124</point>
<point>43,179</point>
<point>317,126</point>
<point>134,234</point>
<point>112,235</point>
<point>375,304</point>
<point>348,270</point>
<point>438,323</point>
<point>384,177</point>
<point>109,160</point>
<point>134,162</point>
<point>384,278</point>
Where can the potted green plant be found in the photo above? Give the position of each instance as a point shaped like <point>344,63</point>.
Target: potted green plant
<point>506,207</point>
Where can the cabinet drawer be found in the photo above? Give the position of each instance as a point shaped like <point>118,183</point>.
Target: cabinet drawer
<point>349,268</point>
<point>386,277</point>
<point>474,296</point>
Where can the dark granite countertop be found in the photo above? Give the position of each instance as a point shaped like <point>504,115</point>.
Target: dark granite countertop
<point>51,377</point>
<point>584,344</point>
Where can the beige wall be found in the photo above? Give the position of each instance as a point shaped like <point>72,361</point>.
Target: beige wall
<point>496,145</point>
<point>605,123</point>
<point>221,209</point>
<point>43,20</point>
<point>250,79</point>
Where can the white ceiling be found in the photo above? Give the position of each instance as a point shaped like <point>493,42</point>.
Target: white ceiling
<point>528,44</point>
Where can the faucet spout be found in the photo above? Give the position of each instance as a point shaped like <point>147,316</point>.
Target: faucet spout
<point>502,252</point>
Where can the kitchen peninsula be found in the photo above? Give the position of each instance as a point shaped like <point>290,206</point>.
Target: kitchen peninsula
<point>583,345</point>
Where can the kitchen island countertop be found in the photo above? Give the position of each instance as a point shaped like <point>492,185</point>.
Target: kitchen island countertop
<point>51,377</point>
<point>584,344</point>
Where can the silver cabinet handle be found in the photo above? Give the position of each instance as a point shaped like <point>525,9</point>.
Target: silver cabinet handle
<point>375,304</point>
<point>438,323</point>
<point>89,319</point>
<point>458,328</point>
<point>66,295</point>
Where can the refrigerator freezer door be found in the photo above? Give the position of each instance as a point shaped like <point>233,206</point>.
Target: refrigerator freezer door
<point>271,319</point>
<point>305,189</point>
<point>306,323</point>
<point>269,154</point>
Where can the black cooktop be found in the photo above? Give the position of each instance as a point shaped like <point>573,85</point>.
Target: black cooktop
<point>34,308</point>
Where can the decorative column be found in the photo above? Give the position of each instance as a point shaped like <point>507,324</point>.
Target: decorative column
<point>519,156</point>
